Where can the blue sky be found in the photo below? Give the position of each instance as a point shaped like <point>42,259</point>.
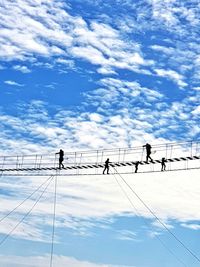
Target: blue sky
<point>99,74</point>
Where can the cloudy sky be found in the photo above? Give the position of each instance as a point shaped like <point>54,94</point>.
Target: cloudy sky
<point>95,74</point>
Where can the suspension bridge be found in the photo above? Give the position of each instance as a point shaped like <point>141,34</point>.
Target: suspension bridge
<point>179,156</point>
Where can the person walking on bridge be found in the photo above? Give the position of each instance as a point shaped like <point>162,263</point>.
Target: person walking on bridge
<point>106,166</point>
<point>148,151</point>
<point>61,158</point>
<point>163,165</point>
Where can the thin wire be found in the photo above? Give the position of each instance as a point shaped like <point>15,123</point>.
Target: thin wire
<point>54,219</point>
<point>142,153</point>
<point>159,220</point>
<point>2,167</point>
<point>24,217</point>
<point>36,190</point>
<point>138,214</point>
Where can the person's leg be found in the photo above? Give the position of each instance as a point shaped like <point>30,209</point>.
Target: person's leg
<point>108,170</point>
<point>61,163</point>
<point>148,157</point>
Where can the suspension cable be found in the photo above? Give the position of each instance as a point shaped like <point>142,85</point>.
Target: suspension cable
<point>2,166</point>
<point>159,220</point>
<point>24,217</point>
<point>36,190</point>
<point>54,220</point>
<point>139,215</point>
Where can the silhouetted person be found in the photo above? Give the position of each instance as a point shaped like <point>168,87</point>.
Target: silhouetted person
<point>148,151</point>
<point>136,166</point>
<point>163,164</point>
<point>106,166</point>
<point>61,158</point>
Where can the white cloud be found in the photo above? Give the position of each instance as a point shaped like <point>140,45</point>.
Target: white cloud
<point>162,10</point>
<point>127,235</point>
<point>178,21</point>
<point>164,49</point>
<point>88,200</point>
<point>173,75</point>
<point>106,70</point>
<point>57,33</point>
<point>158,225</point>
<point>196,88</point>
<point>51,131</point>
<point>13,83</point>
<point>23,69</point>
<point>153,234</point>
<point>116,113</point>
<point>196,111</point>
<point>96,117</point>
<point>170,12</point>
<point>191,226</point>
<point>66,62</point>
<point>194,130</point>
<point>43,261</point>
<point>32,31</point>
<point>26,230</point>
<point>89,53</point>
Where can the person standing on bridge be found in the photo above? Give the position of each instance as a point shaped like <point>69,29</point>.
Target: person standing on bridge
<point>148,151</point>
<point>136,166</point>
<point>163,168</point>
<point>106,166</point>
<point>61,158</point>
